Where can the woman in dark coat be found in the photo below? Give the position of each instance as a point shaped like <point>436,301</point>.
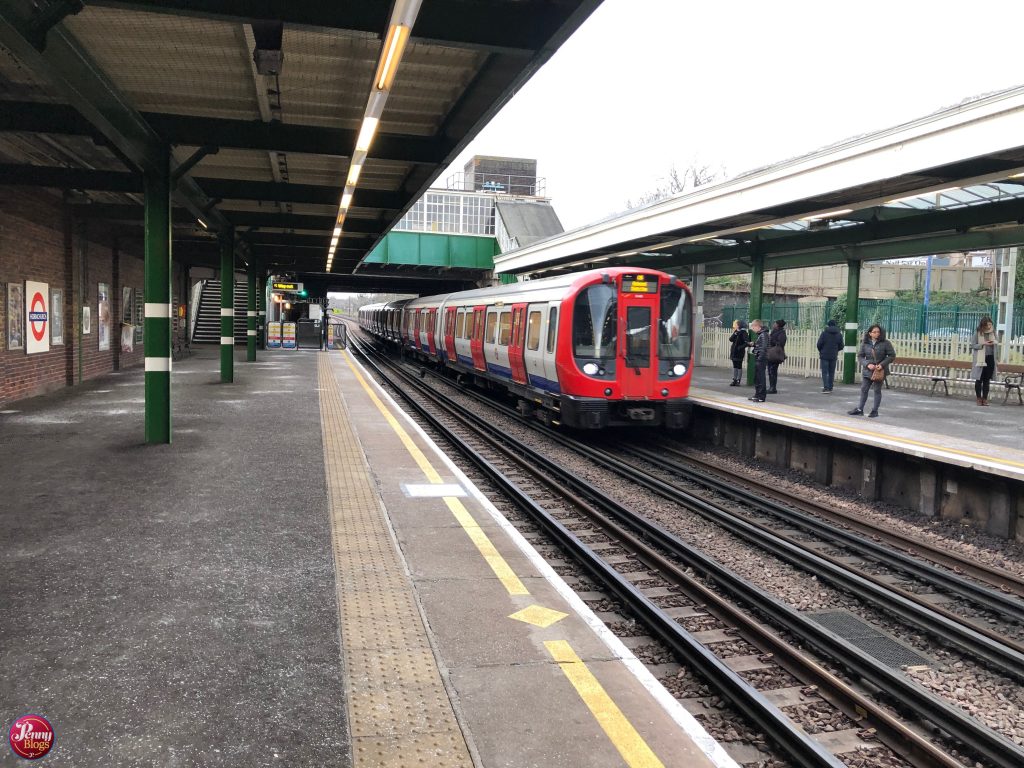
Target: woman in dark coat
<point>875,352</point>
<point>738,350</point>
<point>777,338</point>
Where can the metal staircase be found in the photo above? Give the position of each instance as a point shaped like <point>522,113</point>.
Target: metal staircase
<point>207,326</point>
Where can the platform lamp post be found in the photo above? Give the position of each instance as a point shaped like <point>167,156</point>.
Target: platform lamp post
<point>156,324</point>
<point>852,300</point>
<point>754,305</point>
<point>227,307</point>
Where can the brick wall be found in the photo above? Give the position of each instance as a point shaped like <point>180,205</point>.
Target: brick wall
<point>39,240</point>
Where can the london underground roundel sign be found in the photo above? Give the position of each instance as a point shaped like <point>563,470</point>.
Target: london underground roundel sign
<point>37,308</point>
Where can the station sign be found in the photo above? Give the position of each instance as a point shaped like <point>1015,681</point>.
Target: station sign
<point>37,317</point>
<point>639,283</point>
<point>286,285</point>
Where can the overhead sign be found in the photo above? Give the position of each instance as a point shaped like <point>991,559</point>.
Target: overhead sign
<point>37,317</point>
<point>639,283</point>
<point>280,285</point>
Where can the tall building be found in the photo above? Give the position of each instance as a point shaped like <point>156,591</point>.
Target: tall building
<point>511,175</point>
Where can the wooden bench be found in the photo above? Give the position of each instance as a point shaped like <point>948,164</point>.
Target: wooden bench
<point>1011,377</point>
<point>928,369</point>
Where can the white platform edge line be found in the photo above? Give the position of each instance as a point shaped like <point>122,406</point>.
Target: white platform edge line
<point>714,751</point>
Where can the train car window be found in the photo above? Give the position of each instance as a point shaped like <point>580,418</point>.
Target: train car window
<point>674,334</point>
<point>492,322</point>
<point>470,316</point>
<point>505,329</point>
<point>595,322</point>
<point>533,331</point>
<point>638,337</point>
<point>552,328</point>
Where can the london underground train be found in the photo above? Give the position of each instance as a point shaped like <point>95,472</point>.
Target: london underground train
<point>606,347</point>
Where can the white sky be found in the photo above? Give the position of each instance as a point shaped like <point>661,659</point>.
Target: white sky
<point>739,84</point>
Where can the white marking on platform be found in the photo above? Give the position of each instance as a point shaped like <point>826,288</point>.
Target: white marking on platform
<point>10,411</point>
<point>426,490</point>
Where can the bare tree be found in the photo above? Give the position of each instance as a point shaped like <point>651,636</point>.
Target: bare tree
<point>693,176</point>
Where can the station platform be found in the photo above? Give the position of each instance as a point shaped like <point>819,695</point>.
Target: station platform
<point>301,578</point>
<point>948,429</point>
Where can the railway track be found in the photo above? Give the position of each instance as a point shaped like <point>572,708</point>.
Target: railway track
<point>646,553</point>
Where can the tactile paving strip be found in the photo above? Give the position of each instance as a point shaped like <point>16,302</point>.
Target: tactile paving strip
<point>399,711</point>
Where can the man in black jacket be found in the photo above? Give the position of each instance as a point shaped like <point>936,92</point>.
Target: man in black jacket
<point>830,344</point>
<point>759,348</point>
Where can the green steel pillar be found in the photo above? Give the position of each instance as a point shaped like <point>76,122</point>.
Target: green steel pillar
<point>157,323</point>
<point>250,349</point>
<point>227,307</point>
<point>852,300</point>
<point>754,306</point>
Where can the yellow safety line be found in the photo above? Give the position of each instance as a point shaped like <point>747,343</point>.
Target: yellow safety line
<point>869,433</point>
<point>620,731</point>
<point>476,534</point>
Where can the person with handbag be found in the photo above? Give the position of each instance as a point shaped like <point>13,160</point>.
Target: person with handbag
<point>759,348</point>
<point>738,350</point>
<point>983,361</point>
<point>875,355</point>
<point>776,354</point>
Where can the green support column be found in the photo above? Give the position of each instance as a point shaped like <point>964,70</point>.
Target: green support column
<point>227,307</point>
<point>250,349</point>
<point>261,311</point>
<point>852,300</point>
<point>754,306</point>
<point>157,323</point>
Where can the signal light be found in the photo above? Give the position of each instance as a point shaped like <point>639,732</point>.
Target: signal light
<point>303,292</point>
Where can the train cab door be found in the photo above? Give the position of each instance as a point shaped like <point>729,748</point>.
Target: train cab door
<point>637,308</point>
<point>449,332</point>
<point>515,348</point>
<point>431,328</point>
<point>476,344</point>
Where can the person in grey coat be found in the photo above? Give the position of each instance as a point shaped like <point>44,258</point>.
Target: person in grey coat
<point>875,352</point>
<point>984,360</point>
<point>759,348</point>
<point>830,344</point>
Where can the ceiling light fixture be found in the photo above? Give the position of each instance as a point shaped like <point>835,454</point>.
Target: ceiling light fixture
<point>346,200</point>
<point>394,45</point>
<point>353,174</point>
<point>366,133</point>
<point>828,215</point>
<point>202,224</point>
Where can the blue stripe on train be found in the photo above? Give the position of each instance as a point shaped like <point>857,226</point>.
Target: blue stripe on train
<point>499,370</point>
<point>546,384</point>
<point>467,361</point>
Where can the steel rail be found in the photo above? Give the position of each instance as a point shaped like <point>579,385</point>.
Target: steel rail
<point>792,739</point>
<point>947,718</point>
<point>1007,605</point>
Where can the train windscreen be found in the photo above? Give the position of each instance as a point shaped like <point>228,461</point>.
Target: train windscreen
<point>595,322</point>
<point>674,332</point>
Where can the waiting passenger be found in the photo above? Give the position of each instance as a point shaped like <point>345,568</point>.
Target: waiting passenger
<point>984,360</point>
<point>776,354</point>
<point>830,344</point>
<point>875,355</point>
<point>759,348</point>
<point>738,351</point>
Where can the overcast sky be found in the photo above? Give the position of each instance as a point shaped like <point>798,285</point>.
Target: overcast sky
<point>739,84</point>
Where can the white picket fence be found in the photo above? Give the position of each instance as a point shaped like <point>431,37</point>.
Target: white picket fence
<point>802,355</point>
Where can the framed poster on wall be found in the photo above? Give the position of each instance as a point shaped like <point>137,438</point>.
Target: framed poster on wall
<point>86,321</point>
<point>140,314</point>
<point>15,316</point>
<point>37,317</point>
<point>103,316</point>
<point>127,308</point>
<point>56,317</point>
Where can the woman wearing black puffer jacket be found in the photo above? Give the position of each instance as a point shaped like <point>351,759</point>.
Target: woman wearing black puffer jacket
<point>777,338</point>
<point>738,350</point>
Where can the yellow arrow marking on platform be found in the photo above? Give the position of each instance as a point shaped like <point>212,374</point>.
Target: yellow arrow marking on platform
<point>620,731</point>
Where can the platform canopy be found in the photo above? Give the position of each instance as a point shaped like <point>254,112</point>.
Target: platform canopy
<point>951,181</point>
<point>262,104</point>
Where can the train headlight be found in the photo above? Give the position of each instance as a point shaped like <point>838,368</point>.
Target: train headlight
<point>608,392</point>
<point>590,369</point>
<point>664,393</point>
<point>679,369</point>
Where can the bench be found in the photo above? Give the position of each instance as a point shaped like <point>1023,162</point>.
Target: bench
<point>928,369</point>
<point>943,371</point>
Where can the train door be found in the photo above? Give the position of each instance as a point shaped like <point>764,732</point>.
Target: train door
<point>533,348</point>
<point>637,307</point>
<point>515,349</point>
<point>431,327</point>
<point>549,343</point>
<point>449,333</point>
<point>477,343</point>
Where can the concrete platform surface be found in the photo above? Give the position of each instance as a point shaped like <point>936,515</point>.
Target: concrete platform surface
<point>951,429</point>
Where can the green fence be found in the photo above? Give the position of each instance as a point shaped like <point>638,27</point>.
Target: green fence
<point>895,316</point>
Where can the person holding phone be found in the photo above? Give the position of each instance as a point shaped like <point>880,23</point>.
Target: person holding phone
<point>984,360</point>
